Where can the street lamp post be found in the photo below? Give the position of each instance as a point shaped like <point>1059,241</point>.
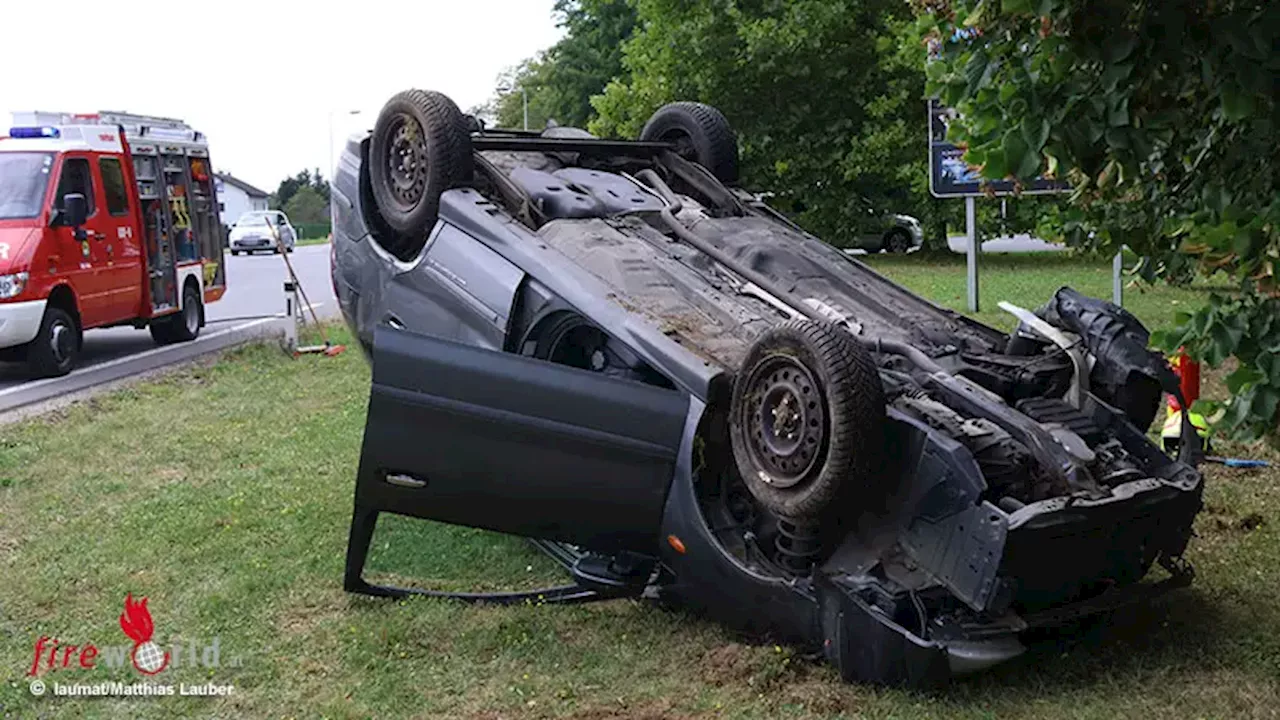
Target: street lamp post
<point>331,114</point>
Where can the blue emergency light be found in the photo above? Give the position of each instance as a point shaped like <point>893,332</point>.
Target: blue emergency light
<point>34,132</point>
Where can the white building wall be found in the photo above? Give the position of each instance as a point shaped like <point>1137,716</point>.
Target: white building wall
<point>234,202</point>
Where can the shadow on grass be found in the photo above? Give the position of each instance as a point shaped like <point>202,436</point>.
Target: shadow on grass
<point>1185,631</point>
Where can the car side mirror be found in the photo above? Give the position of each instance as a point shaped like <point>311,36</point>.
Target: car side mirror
<point>75,210</point>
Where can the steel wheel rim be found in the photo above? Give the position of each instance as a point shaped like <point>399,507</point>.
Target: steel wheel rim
<point>191,315</point>
<point>61,341</point>
<point>785,423</point>
<point>407,161</point>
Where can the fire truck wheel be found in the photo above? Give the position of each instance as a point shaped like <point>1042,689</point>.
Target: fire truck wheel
<point>182,326</point>
<point>186,323</point>
<point>53,352</point>
<point>419,149</point>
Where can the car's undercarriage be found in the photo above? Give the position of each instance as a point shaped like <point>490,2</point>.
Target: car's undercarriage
<point>964,485</point>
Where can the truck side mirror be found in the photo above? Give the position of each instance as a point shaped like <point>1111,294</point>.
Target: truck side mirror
<point>75,210</point>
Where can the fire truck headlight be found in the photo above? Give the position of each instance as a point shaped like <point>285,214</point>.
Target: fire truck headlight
<point>12,285</point>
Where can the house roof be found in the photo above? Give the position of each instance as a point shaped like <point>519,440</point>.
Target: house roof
<point>237,182</point>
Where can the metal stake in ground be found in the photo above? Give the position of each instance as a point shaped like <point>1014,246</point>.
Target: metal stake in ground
<point>328,348</point>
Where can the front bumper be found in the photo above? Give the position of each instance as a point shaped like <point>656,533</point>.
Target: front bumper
<point>864,644</point>
<point>252,244</point>
<point>20,322</point>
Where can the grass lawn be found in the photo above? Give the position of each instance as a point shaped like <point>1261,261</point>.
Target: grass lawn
<point>222,493</point>
<point>1027,279</point>
<point>313,241</point>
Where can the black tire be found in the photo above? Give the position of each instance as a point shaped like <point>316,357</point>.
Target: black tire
<point>419,149</point>
<point>54,350</point>
<point>827,388</point>
<point>184,325</point>
<point>701,134</point>
<point>161,331</point>
<point>235,253</point>
<point>897,241</point>
<point>186,322</point>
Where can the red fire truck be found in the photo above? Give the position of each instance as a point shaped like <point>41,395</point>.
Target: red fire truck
<point>106,219</point>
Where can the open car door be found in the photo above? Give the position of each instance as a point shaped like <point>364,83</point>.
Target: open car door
<point>504,442</point>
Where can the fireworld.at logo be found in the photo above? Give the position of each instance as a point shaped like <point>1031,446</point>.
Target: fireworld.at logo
<point>135,621</point>
<point>146,654</point>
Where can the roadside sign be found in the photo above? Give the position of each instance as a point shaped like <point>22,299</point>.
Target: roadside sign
<point>950,176</point>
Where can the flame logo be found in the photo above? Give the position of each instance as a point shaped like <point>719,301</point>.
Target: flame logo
<point>136,622</point>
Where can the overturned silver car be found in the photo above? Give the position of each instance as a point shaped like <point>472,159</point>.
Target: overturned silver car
<point>607,347</point>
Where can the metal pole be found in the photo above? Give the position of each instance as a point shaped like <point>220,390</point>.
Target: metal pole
<point>290,315</point>
<point>525,94</point>
<point>1117,268</point>
<point>971,232</point>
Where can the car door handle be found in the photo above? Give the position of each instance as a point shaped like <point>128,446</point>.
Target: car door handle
<point>405,480</point>
<point>394,322</point>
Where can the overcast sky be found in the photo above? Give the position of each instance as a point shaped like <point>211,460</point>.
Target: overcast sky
<point>260,78</point>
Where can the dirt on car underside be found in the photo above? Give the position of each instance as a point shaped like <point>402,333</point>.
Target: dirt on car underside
<point>714,314</point>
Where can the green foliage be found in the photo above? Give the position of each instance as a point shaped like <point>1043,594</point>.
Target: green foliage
<point>1164,117</point>
<point>313,231</point>
<point>826,101</point>
<point>307,206</point>
<point>283,194</point>
<point>561,80</point>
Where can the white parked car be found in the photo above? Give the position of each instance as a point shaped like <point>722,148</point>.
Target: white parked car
<point>252,232</point>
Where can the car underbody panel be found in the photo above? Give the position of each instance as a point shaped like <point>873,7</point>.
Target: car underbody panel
<point>571,378</point>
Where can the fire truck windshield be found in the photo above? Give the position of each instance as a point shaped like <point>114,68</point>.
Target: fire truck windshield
<point>24,176</point>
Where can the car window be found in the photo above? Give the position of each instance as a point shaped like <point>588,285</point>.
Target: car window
<point>76,178</point>
<point>113,188</point>
<point>252,221</point>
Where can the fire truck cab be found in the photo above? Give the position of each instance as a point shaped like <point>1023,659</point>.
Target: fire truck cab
<point>106,219</point>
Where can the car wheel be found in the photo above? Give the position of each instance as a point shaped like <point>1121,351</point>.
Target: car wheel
<point>235,253</point>
<point>53,351</point>
<point>807,419</point>
<point>419,149</point>
<point>897,241</point>
<point>700,132</point>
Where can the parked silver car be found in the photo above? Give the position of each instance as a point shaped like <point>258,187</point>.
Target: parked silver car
<point>253,232</point>
<point>892,233</point>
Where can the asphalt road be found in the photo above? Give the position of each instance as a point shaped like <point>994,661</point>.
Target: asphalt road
<point>254,290</point>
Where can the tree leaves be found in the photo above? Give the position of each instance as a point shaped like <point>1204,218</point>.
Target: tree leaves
<point>1035,131</point>
<point>1162,115</point>
<point>1236,104</point>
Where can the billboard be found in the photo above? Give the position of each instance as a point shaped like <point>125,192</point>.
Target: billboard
<point>951,176</point>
